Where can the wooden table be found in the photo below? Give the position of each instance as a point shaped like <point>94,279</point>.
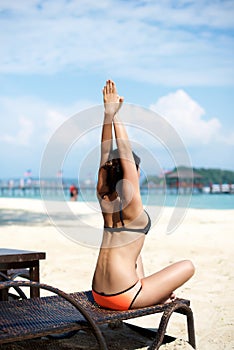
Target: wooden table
<point>21,259</point>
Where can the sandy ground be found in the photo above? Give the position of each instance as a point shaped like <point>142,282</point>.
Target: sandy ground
<point>204,236</point>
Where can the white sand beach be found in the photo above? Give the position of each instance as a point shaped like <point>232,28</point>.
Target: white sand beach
<point>204,236</point>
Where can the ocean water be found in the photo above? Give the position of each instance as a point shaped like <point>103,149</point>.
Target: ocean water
<point>198,201</point>
<point>218,201</point>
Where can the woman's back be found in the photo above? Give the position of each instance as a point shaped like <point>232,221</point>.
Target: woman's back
<point>121,245</point>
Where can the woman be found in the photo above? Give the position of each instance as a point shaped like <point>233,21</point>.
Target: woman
<point>119,282</point>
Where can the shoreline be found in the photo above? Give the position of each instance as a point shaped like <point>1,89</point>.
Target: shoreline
<point>196,201</point>
<point>205,236</point>
<point>217,201</point>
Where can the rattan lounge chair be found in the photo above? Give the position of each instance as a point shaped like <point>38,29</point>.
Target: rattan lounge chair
<point>61,313</point>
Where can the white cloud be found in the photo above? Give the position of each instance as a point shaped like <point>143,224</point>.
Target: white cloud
<point>188,118</point>
<point>23,136</point>
<point>25,131</point>
<point>27,126</point>
<point>53,119</point>
<point>27,121</point>
<point>22,120</point>
<point>158,42</point>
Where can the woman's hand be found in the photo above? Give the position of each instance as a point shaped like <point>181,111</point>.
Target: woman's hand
<point>112,101</point>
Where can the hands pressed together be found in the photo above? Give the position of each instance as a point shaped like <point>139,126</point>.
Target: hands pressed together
<point>112,101</point>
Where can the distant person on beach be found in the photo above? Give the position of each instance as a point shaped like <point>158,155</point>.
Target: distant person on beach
<point>119,282</point>
<point>73,193</point>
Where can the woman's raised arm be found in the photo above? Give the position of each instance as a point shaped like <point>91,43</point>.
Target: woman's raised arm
<point>112,103</point>
<point>130,172</point>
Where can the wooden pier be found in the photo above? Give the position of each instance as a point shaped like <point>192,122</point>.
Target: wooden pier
<point>58,191</point>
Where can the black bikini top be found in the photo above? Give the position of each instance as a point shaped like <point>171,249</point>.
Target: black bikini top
<point>144,230</point>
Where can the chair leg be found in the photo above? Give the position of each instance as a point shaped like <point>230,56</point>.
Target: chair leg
<point>157,342</point>
<point>190,325</point>
<point>187,311</point>
<point>183,309</point>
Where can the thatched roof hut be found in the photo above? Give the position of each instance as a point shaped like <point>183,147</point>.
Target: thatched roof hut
<point>184,178</point>
<point>184,174</point>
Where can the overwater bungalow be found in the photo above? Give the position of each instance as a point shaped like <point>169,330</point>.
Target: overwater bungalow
<point>183,180</point>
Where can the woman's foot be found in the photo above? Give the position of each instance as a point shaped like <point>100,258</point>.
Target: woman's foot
<point>171,298</point>
<point>112,101</point>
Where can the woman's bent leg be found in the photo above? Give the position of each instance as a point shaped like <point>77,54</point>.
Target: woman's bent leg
<point>158,287</point>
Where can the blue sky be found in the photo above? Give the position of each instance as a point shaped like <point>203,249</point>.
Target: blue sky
<point>174,57</point>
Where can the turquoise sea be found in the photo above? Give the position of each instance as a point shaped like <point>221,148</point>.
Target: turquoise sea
<point>219,201</point>
<point>198,200</point>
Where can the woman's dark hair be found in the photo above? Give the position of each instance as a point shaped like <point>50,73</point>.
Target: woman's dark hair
<point>114,168</point>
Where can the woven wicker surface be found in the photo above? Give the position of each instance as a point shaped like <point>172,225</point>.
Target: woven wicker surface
<point>100,315</point>
<point>39,317</point>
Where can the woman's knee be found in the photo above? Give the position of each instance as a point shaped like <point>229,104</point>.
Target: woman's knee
<point>189,268</point>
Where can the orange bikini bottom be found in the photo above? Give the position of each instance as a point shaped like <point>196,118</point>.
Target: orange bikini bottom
<point>119,301</point>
